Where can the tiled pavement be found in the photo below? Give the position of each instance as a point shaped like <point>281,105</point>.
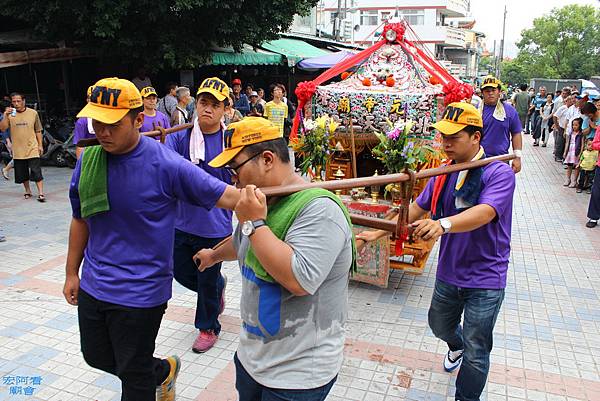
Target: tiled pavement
<point>547,341</point>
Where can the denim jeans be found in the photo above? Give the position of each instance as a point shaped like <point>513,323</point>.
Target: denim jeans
<point>120,340</point>
<point>475,337</point>
<point>207,284</point>
<point>250,390</point>
<point>536,126</point>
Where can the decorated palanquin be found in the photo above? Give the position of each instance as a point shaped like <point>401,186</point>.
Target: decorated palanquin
<point>391,82</point>
<point>389,86</point>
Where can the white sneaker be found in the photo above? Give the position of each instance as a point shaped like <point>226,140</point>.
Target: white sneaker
<point>452,360</point>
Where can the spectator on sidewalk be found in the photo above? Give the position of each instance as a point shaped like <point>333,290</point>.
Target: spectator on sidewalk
<point>152,117</point>
<point>295,256</point>
<point>522,100</point>
<point>232,115</point>
<point>276,111</point>
<point>501,125</point>
<point>181,114</point>
<point>124,195</point>
<point>168,103</point>
<point>195,227</point>
<point>546,113</point>
<point>261,97</point>
<point>27,145</point>
<point>591,121</point>
<point>241,102</point>
<point>141,80</point>
<point>256,109</point>
<point>560,100</point>
<point>587,163</point>
<point>537,104</point>
<point>561,119</point>
<point>593,213</point>
<point>574,141</point>
<point>6,151</point>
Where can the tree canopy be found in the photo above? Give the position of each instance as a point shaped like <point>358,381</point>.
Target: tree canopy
<point>562,44</point>
<point>159,34</point>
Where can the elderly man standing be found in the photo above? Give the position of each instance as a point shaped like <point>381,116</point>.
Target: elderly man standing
<point>295,255</point>
<point>181,115</point>
<point>27,146</point>
<point>197,228</point>
<point>241,102</point>
<point>501,124</point>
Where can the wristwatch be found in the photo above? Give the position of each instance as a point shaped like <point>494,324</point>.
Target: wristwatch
<point>249,227</point>
<point>446,225</point>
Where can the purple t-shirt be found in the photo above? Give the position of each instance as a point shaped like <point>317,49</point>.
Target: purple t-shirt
<point>159,119</point>
<point>81,130</point>
<point>497,134</point>
<point>128,259</point>
<point>214,223</point>
<point>479,258</point>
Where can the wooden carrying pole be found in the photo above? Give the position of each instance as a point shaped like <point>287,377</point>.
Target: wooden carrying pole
<point>382,179</point>
<point>159,132</point>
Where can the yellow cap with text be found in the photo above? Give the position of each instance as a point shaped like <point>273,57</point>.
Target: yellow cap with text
<point>457,116</point>
<point>491,82</point>
<point>215,87</point>
<point>249,131</point>
<point>111,99</point>
<point>148,91</point>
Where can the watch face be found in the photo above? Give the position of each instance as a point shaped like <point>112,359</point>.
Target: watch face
<point>247,228</point>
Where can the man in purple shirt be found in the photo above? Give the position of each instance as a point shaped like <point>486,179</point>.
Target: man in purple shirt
<point>126,244</point>
<point>472,212</point>
<point>152,117</point>
<point>195,227</point>
<point>501,124</point>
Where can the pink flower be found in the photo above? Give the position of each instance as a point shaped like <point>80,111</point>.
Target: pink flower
<point>393,134</point>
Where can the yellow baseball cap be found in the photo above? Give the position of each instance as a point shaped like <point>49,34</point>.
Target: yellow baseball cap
<point>111,99</point>
<point>215,87</point>
<point>89,90</point>
<point>457,116</point>
<point>249,131</point>
<point>147,91</point>
<point>491,82</point>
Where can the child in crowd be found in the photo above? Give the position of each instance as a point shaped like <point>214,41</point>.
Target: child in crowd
<point>586,165</point>
<point>573,151</point>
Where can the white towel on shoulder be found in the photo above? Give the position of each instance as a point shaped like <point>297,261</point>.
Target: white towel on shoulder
<point>197,144</point>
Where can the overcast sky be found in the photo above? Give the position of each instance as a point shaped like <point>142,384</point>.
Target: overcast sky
<point>521,13</point>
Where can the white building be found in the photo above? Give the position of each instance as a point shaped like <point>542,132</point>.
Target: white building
<point>361,22</point>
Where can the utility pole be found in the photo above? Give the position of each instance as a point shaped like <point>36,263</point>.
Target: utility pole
<point>498,72</point>
<point>495,70</point>
<point>338,21</point>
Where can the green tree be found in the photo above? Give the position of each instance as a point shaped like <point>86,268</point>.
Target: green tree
<point>562,44</point>
<point>159,34</point>
<point>486,65</point>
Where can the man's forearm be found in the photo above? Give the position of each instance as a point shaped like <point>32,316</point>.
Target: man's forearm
<point>38,136</point>
<point>225,251</point>
<point>78,238</point>
<point>472,218</point>
<point>229,199</point>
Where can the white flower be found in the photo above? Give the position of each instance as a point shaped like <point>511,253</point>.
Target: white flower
<point>309,124</point>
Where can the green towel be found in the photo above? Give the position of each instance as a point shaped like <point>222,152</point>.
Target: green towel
<point>93,187</point>
<point>282,215</point>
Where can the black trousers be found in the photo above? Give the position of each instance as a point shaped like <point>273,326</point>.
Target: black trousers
<point>120,340</point>
<point>585,179</point>
<point>594,207</point>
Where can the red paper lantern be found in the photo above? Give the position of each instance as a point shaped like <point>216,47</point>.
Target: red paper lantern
<point>366,82</point>
<point>390,81</point>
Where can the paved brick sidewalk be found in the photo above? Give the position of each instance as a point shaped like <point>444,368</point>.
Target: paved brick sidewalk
<point>547,345</point>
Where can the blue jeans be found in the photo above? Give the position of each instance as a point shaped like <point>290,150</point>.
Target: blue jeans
<point>480,309</point>
<point>250,390</point>
<point>207,284</point>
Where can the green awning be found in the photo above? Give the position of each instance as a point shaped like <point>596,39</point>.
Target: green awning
<point>294,50</point>
<point>247,56</point>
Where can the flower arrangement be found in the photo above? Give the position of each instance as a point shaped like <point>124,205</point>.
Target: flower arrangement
<point>399,152</point>
<point>314,144</point>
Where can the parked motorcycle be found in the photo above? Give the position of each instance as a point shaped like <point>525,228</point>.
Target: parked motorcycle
<point>53,150</point>
<point>69,150</point>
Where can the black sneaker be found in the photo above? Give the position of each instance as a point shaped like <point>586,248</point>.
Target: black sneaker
<point>591,223</point>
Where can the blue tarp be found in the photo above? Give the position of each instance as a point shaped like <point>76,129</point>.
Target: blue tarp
<point>326,61</point>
